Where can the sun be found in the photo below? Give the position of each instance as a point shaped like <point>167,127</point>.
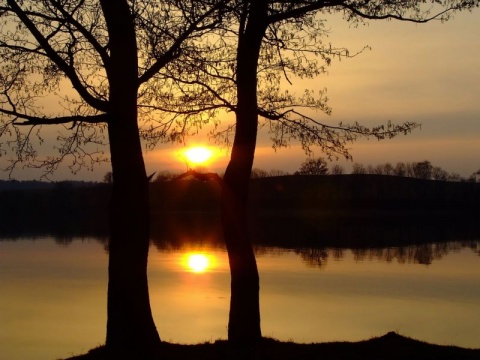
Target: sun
<point>198,154</point>
<point>198,262</point>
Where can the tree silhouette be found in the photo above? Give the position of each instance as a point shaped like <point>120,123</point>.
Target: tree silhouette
<point>316,166</point>
<point>358,169</point>
<point>277,39</point>
<point>423,170</point>
<point>113,54</point>
<point>336,170</point>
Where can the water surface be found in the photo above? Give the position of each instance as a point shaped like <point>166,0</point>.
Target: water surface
<point>53,294</point>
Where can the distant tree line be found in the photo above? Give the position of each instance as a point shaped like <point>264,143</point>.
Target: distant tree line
<point>419,170</point>
<point>319,166</point>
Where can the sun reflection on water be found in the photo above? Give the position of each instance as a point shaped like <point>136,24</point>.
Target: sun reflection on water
<point>198,262</point>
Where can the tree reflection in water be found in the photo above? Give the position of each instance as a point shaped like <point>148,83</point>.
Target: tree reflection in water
<point>315,239</point>
<point>314,257</point>
<point>423,254</point>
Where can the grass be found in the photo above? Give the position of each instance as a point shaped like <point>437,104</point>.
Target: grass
<point>388,347</point>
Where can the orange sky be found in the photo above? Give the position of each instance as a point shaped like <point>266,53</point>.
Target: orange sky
<point>427,73</point>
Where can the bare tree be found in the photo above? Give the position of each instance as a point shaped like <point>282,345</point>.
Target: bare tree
<point>388,169</point>
<point>370,169</point>
<point>400,169</point>
<point>423,170</point>
<point>358,169</point>
<point>111,54</point>
<point>258,173</point>
<point>269,40</point>
<point>475,177</point>
<point>378,170</point>
<point>439,174</point>
<point>316,166</point>
<point>409,170</point>
<point>277,172</point>
<point>273,39</point>
<point>337,170</point>
<point>455,177</point>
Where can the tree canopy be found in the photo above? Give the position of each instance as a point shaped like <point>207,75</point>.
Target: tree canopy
<point>317,166</point>
<point>111,54</point>
<point>68,48</point>
<point>294,46</point>
<point>55,66</point>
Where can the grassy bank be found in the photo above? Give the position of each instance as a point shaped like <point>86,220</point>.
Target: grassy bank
<point>388,347</point>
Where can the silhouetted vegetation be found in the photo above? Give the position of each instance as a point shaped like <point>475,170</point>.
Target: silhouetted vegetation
<point>319,166</point>
<point>64,208</point>
<point>316,166</point>
<point>115,56</point>
<point>363,195</point>
<point>390,346</point>
<point>321,207</point>
<point>419,170</point>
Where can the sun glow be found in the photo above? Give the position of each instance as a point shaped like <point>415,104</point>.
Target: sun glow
<point>198,154</point>
<point>198,262</point>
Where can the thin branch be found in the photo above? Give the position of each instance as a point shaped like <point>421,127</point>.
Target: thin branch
<point>53,55</point>
<point>86,33</point>
<point>174,51</point>
<point>357,12</point>
<point>36,120</point>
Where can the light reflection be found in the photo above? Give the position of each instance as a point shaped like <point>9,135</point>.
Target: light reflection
<point>363,294</point>
<point>198,262</point>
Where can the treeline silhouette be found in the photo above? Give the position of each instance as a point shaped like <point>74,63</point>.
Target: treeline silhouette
<point>353,195</point>
<point>364,196</point>
<point>377,217</point>
<point>320,166</point>
<point>60,209</point>
<point>420,170</point>
<point>309,206</point>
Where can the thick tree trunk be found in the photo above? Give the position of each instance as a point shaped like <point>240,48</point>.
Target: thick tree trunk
<point>130,327</point>
<point>244,318</point>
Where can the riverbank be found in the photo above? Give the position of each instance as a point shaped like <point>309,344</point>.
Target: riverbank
<point>391,346</point>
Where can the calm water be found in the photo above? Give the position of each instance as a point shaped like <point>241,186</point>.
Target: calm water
<point>53,294</point>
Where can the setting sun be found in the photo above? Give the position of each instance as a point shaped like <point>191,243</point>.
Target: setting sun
<point>198,154</point>
<point>198,262</point>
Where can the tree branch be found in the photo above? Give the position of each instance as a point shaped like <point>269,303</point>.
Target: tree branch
<point>29,120</point>
<point>53,55</point>
<point>174,51</point>
<point>87,34</point>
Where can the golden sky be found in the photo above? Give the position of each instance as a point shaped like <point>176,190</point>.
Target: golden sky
<point>427,73</point>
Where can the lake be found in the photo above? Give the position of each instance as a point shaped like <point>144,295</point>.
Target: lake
<point>53,293</point>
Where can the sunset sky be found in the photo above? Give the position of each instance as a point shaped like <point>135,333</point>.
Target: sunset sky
<point>427,73</point>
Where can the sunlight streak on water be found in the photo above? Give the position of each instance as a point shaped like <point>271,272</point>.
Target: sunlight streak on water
<point>53,301</point>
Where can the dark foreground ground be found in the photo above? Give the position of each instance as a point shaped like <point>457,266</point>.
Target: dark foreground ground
<point>388,347</point>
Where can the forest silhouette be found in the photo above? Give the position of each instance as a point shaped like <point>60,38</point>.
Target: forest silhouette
<point>339,211</point>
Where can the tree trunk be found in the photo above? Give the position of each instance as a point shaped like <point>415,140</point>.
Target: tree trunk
<point>244,318</point>
<point>130,327</point>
